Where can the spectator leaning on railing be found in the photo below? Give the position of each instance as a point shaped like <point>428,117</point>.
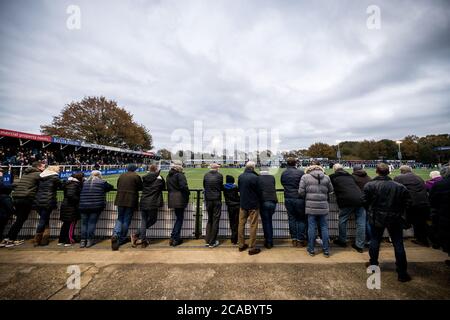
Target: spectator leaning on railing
<point>213,185</point>
<point>315,187</point>
<point>127,201</point>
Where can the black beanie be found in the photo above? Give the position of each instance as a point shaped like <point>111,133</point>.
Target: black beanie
<point>229,179</point>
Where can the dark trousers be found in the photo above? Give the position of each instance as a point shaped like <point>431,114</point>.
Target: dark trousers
<point>148,218</point>
<point>267,211</point>
<point>176,231</point>
<point>396,234</point>
<point>214,209</point>
<point>3,223</point>
<point>296,217</point>
<point>233,217</point>
<point>418,217</point>
<point>66,232</point>
<point>44,219</point>
<point>23,209</point>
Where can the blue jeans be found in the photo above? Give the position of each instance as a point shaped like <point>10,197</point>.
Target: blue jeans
<point>176,231</point>
<point>368,229</point>
<point>296,218</point>
<point>360,216</point>
<point>88,224</point>
<point>396,234</point>
<point>323,225</point>
<point>44,219</point>
<point>267,211</point>
<point>123,223</point>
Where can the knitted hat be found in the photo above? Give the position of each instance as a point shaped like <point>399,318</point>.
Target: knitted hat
<point>229,179</point>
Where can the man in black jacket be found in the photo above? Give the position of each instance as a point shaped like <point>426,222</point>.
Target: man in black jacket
<point>23,197</point>
<point>419,211</point>
<point>349,199</point>
<point>295,205</point>
<point>440,202</point>
<point>268,204</point>
<point>387,201</point>
<point>232,200</point>
<point>250,202</point>
<point>213,185</point>
<point>151,200</point>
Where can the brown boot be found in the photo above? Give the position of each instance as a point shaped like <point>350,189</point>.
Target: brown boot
<point>295,243</point>
<point>45,237</point>
<point>37,239</point>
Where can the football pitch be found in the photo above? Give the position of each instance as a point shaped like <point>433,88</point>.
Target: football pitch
<point>195,175</point>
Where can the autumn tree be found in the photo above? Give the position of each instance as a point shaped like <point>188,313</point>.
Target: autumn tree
<point>165,154</point>
<point>321,150</point>
<point>101,121</point>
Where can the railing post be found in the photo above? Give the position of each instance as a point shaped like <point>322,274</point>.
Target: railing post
<point>198,219</point>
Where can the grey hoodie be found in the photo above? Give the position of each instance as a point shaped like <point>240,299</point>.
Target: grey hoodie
<point>315,188</point>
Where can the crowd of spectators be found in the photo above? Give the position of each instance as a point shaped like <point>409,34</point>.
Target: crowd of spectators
<point>24,156</point>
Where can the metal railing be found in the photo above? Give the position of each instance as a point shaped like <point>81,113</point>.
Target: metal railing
<point>195,220</point>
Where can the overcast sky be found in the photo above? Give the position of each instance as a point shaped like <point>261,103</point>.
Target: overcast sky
<point>312,70</point>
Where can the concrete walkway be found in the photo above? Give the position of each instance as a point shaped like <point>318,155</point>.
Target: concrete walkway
<point>192,271</point>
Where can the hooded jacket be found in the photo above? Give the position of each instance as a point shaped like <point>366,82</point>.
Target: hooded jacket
<point>49,183</point>
<point>153,186</point>
<point>231,194</point>
<point>290,179</point>
<point>27,186</point>
<point>416,188</point>
<point>361,178</point>
<point>267,187</point>
<point>69,206</point>
<point>177,188</point>
<point>315,188</point>
<point>348,193</point>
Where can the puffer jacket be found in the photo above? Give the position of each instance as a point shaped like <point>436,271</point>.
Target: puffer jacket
<point>416,188</point>
<point>6,204</point>
<point>386,202</point>
<point>27,186</point>
<point>290,179</point>
<point>69,206</point>
<point>153,186</point>
<point>213,184</point>
<point>93,195</point>
<point>315,187</point>
<point>361,178</point>
<point>267,187</point>
<point>178,189</point>
<point>49,183</point>
<point>347,192</point>
<point>231,193</point>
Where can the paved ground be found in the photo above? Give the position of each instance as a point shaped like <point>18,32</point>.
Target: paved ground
<point>193,272</point>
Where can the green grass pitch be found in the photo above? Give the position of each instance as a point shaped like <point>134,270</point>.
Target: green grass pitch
<point>195,176</point>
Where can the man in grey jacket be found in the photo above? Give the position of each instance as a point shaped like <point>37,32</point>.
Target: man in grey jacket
<point>315,187</point>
